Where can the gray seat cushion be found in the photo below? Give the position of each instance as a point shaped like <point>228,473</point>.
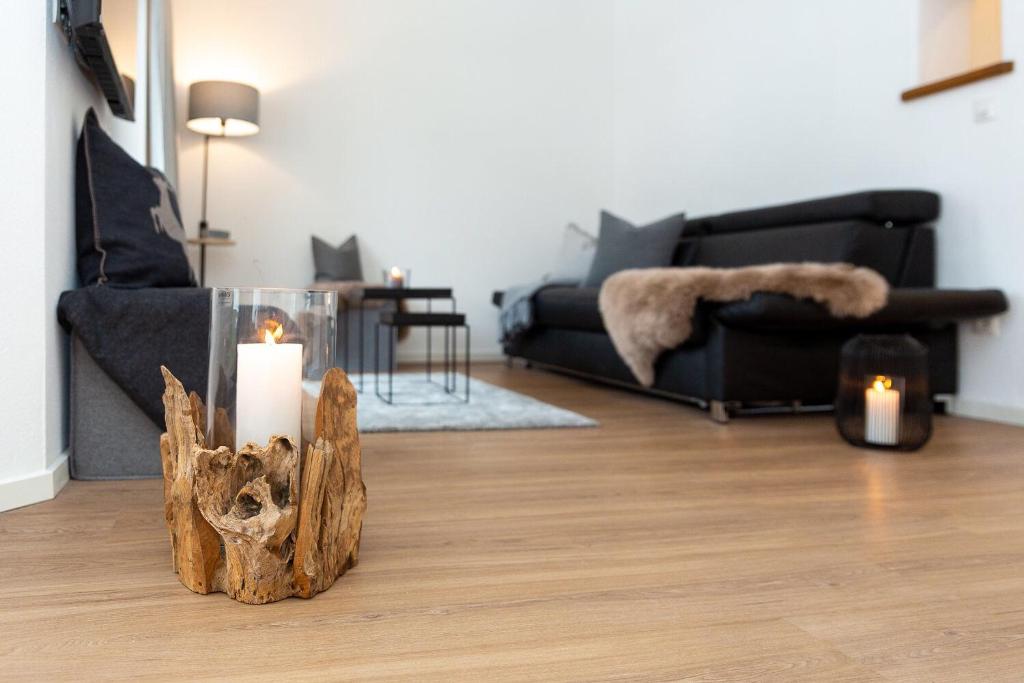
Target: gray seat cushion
<point>573,308</point>
<point>576,308</point>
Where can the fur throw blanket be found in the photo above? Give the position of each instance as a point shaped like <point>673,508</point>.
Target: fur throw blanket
<point>650,310</point>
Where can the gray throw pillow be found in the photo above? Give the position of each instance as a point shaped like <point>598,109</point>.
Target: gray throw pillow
<point>622,245</point>
<point>337,263</point>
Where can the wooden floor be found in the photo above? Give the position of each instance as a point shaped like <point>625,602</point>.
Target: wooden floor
<point>659,546</point>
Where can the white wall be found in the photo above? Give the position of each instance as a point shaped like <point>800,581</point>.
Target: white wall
<point>456,138</point>
<point>22,403</point>
<point>944,31</point>
<point>730,104</point>
<point>49,96</point>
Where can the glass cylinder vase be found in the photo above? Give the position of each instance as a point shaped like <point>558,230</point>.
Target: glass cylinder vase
<point>269,349</point>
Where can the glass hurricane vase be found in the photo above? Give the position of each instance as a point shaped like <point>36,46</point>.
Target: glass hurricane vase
<point>269,349</point>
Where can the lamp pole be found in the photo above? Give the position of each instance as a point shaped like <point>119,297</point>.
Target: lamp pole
<point>211,105</point>
<point>203,225</point>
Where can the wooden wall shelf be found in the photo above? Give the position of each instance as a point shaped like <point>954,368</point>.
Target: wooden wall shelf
<point>211,241</point>
<point>984,72</point>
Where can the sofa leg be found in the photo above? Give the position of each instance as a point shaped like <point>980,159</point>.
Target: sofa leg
<point>719,413</point>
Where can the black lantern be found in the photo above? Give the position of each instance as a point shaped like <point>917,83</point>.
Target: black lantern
<point>884,400</point>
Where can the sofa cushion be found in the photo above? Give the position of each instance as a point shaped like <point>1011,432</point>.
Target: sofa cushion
<point>906,307</point>
<point>622,245</point>
<point>128,225</point>
<point>576,308</point>
<point>573,308</point>
<point>856,242</point>
<point>895,207</point>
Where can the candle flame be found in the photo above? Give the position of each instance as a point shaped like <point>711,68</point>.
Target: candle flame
<point>881,383</point>
<point>396,273</point>
<point>273,331</point>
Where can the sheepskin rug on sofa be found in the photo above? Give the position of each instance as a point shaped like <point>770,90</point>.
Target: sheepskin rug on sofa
<point>650,310</point>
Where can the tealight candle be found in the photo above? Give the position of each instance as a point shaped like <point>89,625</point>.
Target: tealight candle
<point>396,278</point>
<point>882,412</point>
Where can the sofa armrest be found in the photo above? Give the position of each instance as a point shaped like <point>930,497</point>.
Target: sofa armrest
<point>923,307</point>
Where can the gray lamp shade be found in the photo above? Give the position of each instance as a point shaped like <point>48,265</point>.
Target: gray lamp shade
<point>223,108</point>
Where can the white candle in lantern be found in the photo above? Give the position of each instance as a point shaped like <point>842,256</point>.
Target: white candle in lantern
<point>268,401</point>
<point>396,277</point>
<point>882,413</point>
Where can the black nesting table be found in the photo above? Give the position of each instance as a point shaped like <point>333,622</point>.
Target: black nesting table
<point>390,321</point>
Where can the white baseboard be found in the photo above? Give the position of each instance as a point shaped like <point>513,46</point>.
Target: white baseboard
<point>34,487</point>
<point>982,410</point>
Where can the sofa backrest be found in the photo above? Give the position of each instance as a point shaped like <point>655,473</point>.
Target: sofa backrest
<point>882,230</point>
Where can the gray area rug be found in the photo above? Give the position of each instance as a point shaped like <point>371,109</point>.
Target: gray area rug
<point>422,406</point>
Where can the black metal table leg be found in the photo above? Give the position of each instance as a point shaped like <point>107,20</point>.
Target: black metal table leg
<point>447,366</point>
<point>348,340</point>
<point>455,358</point>
<point>393,332</point>
<point>376,361</point>
<point>362,363</point>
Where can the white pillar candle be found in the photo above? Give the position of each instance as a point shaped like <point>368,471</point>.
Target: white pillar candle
<point>269,392</point>
<point>882,413</point>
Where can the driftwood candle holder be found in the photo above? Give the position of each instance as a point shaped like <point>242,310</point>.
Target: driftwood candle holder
<point>239,521</point>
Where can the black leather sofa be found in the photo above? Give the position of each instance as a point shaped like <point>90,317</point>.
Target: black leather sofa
<point>772,350</point>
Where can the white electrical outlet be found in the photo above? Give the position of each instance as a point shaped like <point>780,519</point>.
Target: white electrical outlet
<point>988,327</point>
<point>985,110</point>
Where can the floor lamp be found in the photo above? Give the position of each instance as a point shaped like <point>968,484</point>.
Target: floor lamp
<point>219,109</point>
